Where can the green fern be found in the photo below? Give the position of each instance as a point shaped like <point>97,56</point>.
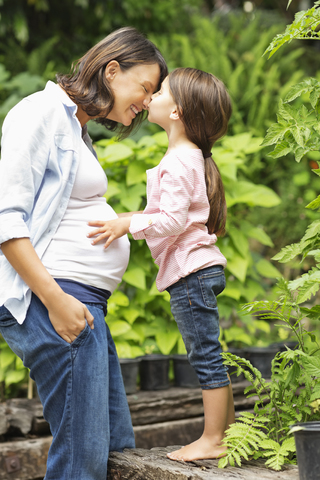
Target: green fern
<point>285,399</point>
<point>243,439</point>
<point>278,453</point>
<point>293,393</point>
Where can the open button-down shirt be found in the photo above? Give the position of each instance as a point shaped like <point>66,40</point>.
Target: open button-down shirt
<point>39,159</point>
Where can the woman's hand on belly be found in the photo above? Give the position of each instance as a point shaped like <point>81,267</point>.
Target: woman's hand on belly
<point>110,230</point>
<point>68,316</point>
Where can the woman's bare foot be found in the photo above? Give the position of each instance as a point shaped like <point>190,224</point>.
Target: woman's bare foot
<point>201,449</point>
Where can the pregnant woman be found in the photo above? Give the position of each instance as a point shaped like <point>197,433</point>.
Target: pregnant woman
<point>54,285</point>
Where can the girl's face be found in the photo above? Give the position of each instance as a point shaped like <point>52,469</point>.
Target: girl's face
<point>132,89</point>
<point>162,105</point>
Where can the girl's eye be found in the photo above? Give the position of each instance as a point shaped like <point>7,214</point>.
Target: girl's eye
<point>144,88</point>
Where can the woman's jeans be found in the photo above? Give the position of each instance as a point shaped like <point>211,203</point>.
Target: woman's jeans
<point>80,387</point>
<point>194,306</point>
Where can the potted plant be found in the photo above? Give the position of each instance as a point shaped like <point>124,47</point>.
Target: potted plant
<point>307,440</point>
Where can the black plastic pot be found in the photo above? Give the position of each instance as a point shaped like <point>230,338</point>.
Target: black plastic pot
<point>130,370</point>
<point>307,440</point>
<point>261,358</point>
<point>184,374</point>
<point>154,372</point>
<point>282,347</point>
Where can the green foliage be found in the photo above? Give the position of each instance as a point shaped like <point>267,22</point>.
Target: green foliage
<point>76,25</point>
<point>244,440</point>
<point>287,398</point>
<point>232,49</point>
<point>139,316</point>
<point>297,129</point>
<point>12,371</point>
<point>293,394</point>
<point>304,27</point>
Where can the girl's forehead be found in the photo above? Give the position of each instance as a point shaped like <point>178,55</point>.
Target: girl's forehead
<point>165,81</point>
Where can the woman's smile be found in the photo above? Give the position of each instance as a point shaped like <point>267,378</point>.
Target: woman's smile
<point>132,91</point>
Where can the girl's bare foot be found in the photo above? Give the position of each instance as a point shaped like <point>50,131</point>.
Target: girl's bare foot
<point>201,449</point>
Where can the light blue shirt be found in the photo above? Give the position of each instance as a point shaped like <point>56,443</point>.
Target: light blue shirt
<point>41,139</point>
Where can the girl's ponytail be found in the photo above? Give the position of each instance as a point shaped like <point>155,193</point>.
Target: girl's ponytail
<point>217,202</point>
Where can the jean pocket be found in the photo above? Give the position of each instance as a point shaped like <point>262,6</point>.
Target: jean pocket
<point>211,285</point>
<point>6,318</point>
<point>81,337</point>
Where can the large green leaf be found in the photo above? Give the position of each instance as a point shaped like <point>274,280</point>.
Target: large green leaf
<point>238,266</point>
<point>118,327</point>
<point>259,195</point>
<point>136,277</point>
<point>266,269</point>
<point>240,241</point>
<point>136,173</point>
<point>115,153</point>
<point>166,340</point>
<point>15,376</point>
<point>258,234</point>
<point>6,358</point>
<point>132,200</point>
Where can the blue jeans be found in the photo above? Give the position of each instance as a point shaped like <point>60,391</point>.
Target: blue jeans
<point>80,387</point>
<point>194,306</point>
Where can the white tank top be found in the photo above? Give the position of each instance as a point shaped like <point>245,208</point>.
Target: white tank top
<point>70,254</point>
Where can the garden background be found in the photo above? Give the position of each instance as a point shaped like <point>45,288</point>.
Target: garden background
<point>266,196</point>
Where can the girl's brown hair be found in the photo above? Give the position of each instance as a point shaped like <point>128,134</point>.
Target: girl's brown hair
<point>204,107</point>
<point>87,85</point>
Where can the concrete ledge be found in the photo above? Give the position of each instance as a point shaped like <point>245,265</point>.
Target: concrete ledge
<point>140,464</point>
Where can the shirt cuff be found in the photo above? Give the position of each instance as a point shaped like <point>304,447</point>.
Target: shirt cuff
<point>138,224</point>
<point>12,226</point>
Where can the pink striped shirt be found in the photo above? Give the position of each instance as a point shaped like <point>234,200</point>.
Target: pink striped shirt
<point>173,222</point>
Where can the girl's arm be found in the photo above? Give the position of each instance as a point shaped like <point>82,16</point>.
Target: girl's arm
<point>66,313</point>
<point>128,214</point>
<point>175,192</point>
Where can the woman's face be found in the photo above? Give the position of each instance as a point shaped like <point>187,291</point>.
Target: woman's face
<point>132,89</point>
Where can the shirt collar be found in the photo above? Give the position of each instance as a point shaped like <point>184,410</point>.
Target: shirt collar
<point>60,94</point>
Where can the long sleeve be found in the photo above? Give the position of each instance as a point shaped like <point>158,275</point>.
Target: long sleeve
<point>175,195</point>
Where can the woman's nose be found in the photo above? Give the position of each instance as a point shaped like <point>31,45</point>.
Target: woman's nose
<point>146,102</point>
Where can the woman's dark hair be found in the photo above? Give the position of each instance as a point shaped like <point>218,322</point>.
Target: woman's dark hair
<point>87,85</point>
<point>204,107</point>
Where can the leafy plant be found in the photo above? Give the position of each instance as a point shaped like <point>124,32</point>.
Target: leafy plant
<point>304,27</point>
<point>293,394</point>
<point>232,49</point>
<point>287,398</point>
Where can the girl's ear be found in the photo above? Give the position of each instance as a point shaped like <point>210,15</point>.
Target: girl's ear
<point>174,115</point>
<point>111,70</point>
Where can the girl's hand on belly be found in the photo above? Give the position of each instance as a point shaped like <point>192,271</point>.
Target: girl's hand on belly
<point>110,230</point>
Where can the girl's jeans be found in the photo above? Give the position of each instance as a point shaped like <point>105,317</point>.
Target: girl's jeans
<point>81,390</point>
<point>194,306</point>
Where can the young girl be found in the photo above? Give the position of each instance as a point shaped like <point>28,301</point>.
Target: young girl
<point>185,212</point>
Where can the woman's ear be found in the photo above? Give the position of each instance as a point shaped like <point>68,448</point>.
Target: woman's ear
<point>111,70</point>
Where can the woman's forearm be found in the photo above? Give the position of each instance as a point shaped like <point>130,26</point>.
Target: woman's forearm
<point>67,315</point>
<point>22,256</point>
